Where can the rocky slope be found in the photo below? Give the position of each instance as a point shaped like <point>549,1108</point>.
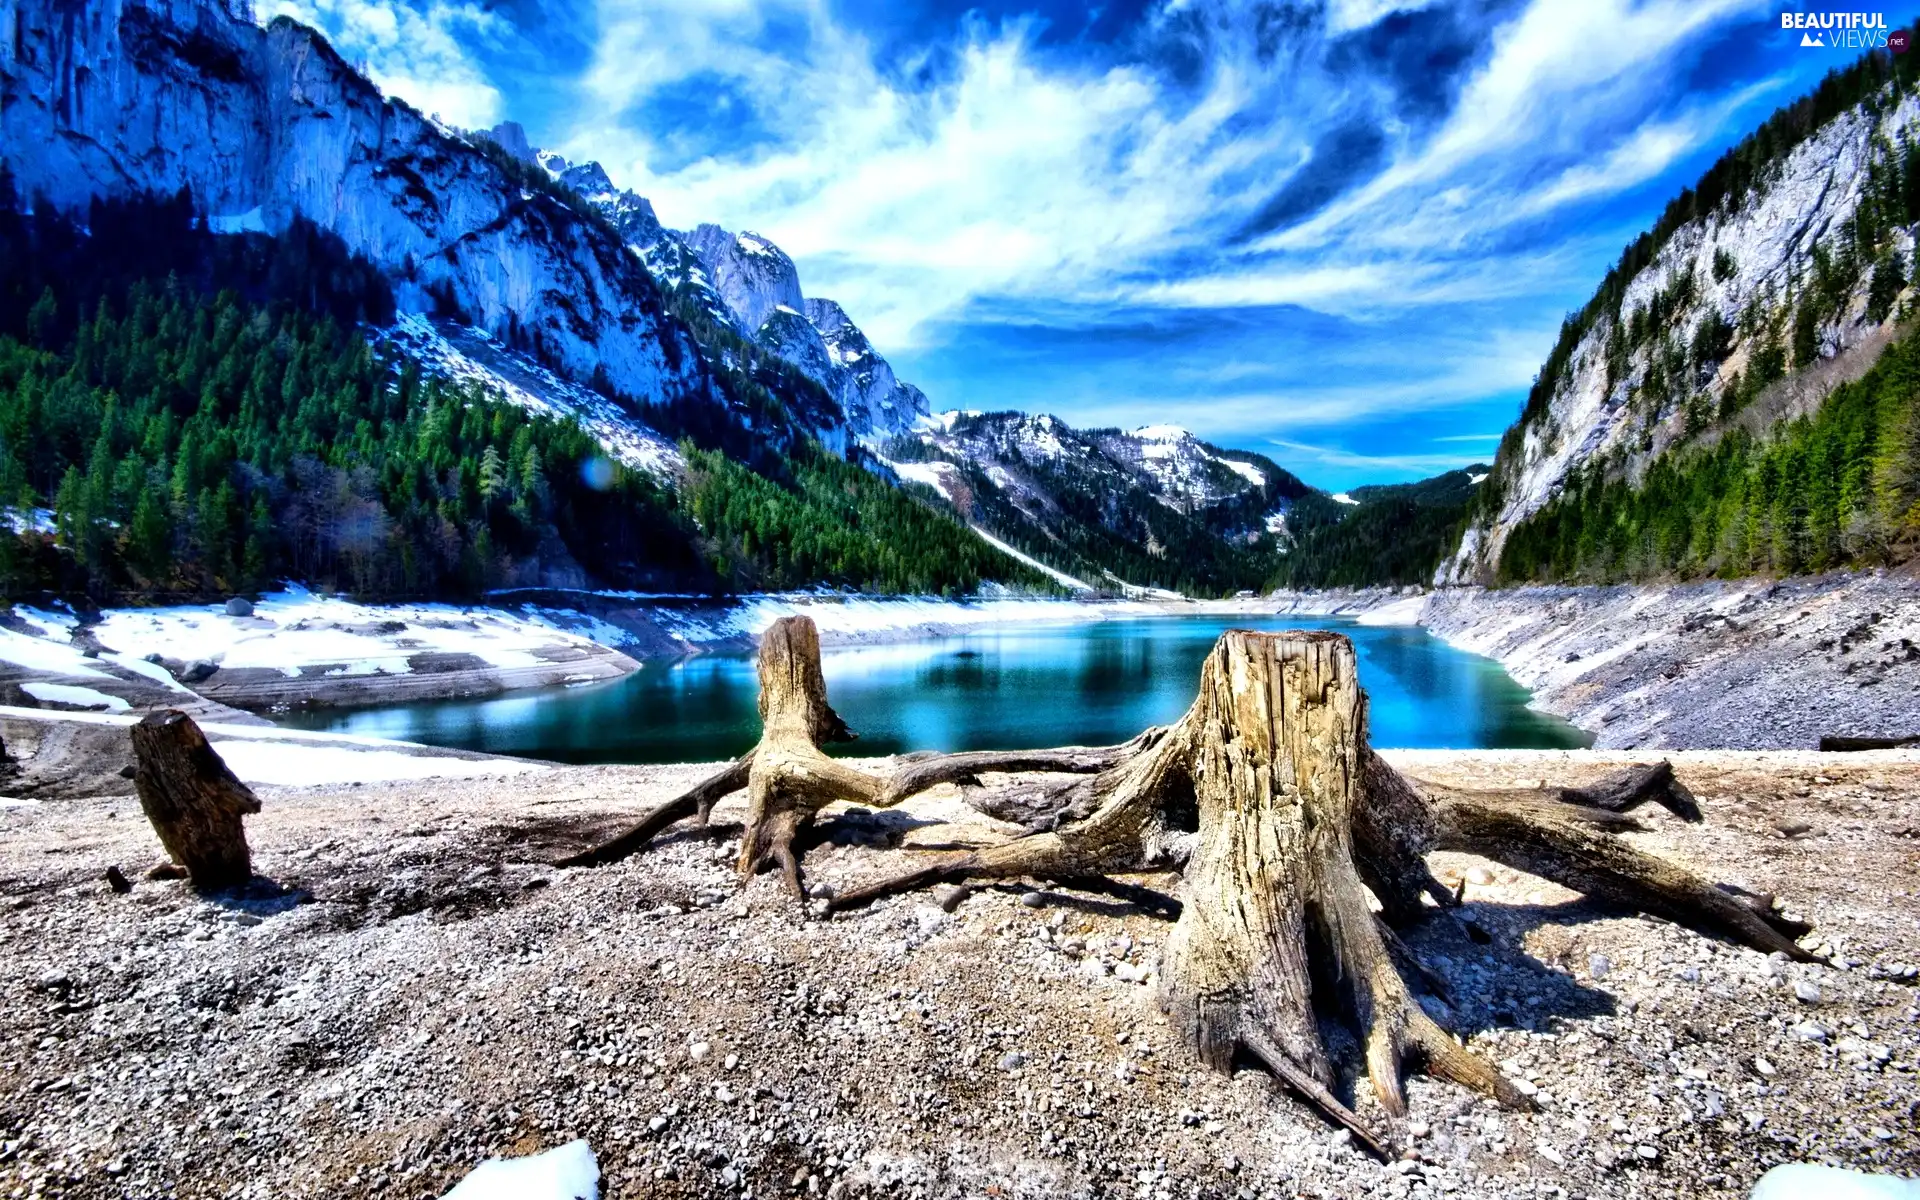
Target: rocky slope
<point>746,282</point>
<point>1643,377</point>
<point>125,97</point>
<point>1085,501</point>
<point>417,989</point>
<point>1752,664</point>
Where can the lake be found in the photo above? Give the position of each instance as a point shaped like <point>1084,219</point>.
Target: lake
<point>1003,688</point>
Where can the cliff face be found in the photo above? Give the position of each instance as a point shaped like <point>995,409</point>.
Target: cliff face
<point>113,97</point>
<point>1621,401</point>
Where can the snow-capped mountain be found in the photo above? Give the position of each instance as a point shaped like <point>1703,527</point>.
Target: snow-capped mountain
<point>121,97</point>
<point>1145,506</point>
<point>1718,295</point>
<point>747,282</point>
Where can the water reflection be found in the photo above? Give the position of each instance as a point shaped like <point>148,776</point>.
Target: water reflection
<point>1003,688</point>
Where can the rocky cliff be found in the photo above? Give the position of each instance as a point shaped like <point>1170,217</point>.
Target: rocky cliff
<point>126,96</point>
<point>1671,350</point>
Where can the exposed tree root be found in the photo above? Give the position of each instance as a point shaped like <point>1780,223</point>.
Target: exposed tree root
<point>1285,825</point>
<point>1286,829</point>
<point>789,778</point>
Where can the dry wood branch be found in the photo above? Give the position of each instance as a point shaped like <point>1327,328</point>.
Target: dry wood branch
<point>696,801</point>
<point>194,802</point>
<point>1562,847</point>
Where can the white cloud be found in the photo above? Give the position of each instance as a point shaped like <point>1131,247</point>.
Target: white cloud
<point>415,53</point>
<point>1017,177</point>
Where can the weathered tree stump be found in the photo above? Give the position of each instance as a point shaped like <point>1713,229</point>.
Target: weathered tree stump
<point>1282,821</point>
<point>1285,826</point>
<point>194,802</point>
<point>789,778</point>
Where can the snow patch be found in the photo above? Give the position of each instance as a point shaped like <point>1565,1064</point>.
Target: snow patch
<point>472,356</point>
<point>1247,471</point>
<point>44,654</point>
<point>250,221</point>
<point>1059,577</point>
<point>1343,498</point>
<point>295,630</point>
<point>76,697</point>
<point>568,1172</point>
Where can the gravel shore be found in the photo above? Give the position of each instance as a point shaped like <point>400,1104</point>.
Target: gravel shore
<point>416,990</point>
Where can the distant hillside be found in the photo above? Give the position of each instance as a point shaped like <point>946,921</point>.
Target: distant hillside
<point>1393,534</point>
<point>1695,416</point>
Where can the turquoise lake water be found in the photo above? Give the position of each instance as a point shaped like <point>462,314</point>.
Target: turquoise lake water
<point>1003,688</point>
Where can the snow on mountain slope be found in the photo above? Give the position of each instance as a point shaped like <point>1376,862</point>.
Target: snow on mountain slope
<point>753,276</point>
<point>119,97</point>
<point>876,402</point>
<point>1187,473</point>
<point>462,354</point>
<point>1085,500</point>
<point>1745,264</point>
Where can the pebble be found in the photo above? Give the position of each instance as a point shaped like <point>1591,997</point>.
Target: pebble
<point>822,891</point>
<point>1033,899</point>
<point>656,1124</point>
<point>1599,965</point>
<point>1647,1153</point>
<point>949,896</point>
<point>699,1051</point>
<point>1766,1069</point>
<point>1810,1031</point>
<point>1806,991</point>
<point>1012,1060</point>
<point>1479,876</point>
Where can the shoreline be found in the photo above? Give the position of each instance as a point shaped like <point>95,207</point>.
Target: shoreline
<point>1746,664</point>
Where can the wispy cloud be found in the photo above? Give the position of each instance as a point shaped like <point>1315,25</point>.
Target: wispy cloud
<point>419,53</point>
<point>1253,218</point>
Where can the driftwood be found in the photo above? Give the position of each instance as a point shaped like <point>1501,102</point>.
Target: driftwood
<point>1284,825</point>
<point>1834,742</point>
<point>194,802</point>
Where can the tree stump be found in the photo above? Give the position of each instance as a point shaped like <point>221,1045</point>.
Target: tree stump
<point>789,778</point>
<point>194,802</point>
<point>1284,825</point>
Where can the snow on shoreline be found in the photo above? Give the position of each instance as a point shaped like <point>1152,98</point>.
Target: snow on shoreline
<point>274,757</point>
<point>295,631</point>
<point>868,618</point>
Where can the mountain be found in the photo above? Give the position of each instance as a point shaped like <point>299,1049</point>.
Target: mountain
<point>1780,276</point>
<point>747,283</point>
<point>118,98</point>
<point>661,408</point>
<point>1154,507</point>
<point>1392,534</point>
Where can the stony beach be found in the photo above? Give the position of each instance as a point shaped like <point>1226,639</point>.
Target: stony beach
<point>411,988</point>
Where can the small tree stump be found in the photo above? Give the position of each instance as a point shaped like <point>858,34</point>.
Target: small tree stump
<point>194,802</point>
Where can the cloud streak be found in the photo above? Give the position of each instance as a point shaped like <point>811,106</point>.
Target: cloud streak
<point>961,176</point>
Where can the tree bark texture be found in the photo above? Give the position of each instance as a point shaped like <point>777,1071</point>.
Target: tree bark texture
<point>194,802</point>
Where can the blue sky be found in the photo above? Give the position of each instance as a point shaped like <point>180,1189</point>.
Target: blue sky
<point>1339,232</point>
